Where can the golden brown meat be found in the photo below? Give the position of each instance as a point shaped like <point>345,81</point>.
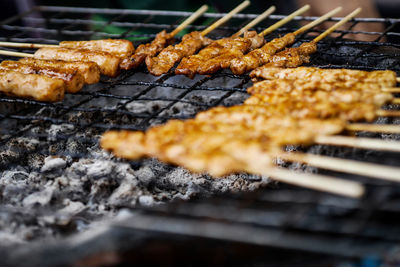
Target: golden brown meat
<point>294,57</point>
<point>219,54</point>
<point>73,80</point>
<point>386,78</point>
<point>108,64</point>
<point>261,56</point>
<point>117,47</point>
<point>219,148</point>
<point>32,86</point>
<point>167,58</point>
<point>287,86</point>
<point>147,50</point>
<point>89,70</point>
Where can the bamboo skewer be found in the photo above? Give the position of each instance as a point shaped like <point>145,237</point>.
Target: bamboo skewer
<point>358,142</point>
<point>398,79</point>
<point>344,165</point>
<point>376,128</point>
<point>314,181</point>
<point>225,18</point>
<point>387,113</point>
<point>396,101</point>
<point>180,27</point>
<point>257,20</point>
<point>337,25</point>
<point>189,20</point>
<point>391,90</point>
<point>284,21</point>
<point>318,21</point>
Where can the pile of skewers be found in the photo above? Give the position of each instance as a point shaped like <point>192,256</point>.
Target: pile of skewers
<point>289,105</point>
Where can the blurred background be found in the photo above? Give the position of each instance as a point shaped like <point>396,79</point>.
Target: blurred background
<point>371,8</point>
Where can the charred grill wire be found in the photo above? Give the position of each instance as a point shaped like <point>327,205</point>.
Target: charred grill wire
<point>58,181</point>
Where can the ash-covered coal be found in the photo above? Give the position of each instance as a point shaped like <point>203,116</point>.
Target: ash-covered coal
<point>58,181</point>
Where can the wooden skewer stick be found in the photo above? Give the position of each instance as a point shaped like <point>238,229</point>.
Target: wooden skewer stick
<point>396,101</point>
<point>255,21</point>
<point>189,20</point>
<point>337,25</point>
<point>313,181</point>
<point>358,142</point>
<point>15,54</point>
<point>225,18</point>
<point>388,113</point>
<point>344,165</point>
<point>391,90</point>
<point>284,21</point>
<point>375,128</point>
<point>398,79</point>
<point>180,27</point>
<point>318,21</point>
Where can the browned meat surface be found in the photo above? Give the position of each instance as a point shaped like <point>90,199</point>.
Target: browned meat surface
<point>73,80</point>
<point>262,55</point>
<point>117,47</point>
<point>216,147</point>
<point>89,70</point>
<point>288,86</point>
<point>167,58</point>
<point>294,57</point>
<point>32,86</point>
<point>147,50</point>
<point>108,64</point>
<point>219,54</point>
<point>385,78</point>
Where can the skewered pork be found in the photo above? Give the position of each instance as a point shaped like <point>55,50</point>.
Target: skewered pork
<point>167,58</point>
<point>117,47</point>
<point>386,78</point>
<point>108,64</point>
<point>147,50</point>
<point>74,81</point>
<point>89,70</point>
<point>33,86</point>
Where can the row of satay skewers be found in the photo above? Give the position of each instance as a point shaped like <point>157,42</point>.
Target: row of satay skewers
<point>55,69</point>
<point>293,106</point>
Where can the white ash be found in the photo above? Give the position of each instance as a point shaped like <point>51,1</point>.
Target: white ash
<point>53,163</point>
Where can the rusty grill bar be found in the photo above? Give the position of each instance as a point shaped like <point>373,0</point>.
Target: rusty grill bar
<point>289,217</point>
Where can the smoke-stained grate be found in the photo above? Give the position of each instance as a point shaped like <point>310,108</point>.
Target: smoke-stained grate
<point>56,181</point>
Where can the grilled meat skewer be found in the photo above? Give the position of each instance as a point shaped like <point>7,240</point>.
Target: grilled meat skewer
<point>32,86</point>
<point>117,47</point>
<point>385,78</point>
<point>89,70</point>
<point>147,50</point>
<point>108,64</point>
<point>74,81</point>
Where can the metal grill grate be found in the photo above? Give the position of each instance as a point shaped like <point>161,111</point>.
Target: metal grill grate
<point>289,217</point>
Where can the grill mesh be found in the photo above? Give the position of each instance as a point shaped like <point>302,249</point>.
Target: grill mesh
<point>289,217</point>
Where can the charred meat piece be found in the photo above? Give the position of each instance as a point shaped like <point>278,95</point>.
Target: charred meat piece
<point>108,64</point>
<point>147,50</point>
<point>167,58</point>
<point>89,70</point>
<point>261,56</point>
<point>32,86</point>
<point>74,81</point>
<point>294,57</point>
<point>219,54</point>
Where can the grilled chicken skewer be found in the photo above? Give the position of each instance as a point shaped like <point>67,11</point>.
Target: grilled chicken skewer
<point>191,65</point>
<point>74,81</point>
<point>117,47</point>
<point>189,45</point>
<point>158,44</point>
<point>89,70</point>
<point>384,78</point>
<point>32,86</point>
<point>294,57</point>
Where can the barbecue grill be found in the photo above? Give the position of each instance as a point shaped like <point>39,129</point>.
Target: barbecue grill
<point>56,183</point>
